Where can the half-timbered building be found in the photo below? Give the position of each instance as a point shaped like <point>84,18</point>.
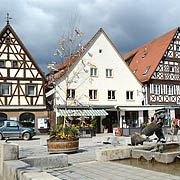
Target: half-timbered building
<point>157,65</point>
<point>22,95</point>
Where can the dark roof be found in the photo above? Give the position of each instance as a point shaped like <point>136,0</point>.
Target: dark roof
<point>148,56</point>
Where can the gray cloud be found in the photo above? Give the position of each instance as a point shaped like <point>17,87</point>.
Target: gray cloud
<point>128,23</point>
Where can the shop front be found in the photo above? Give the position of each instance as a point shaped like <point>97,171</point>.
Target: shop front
<point>88,121</point>
<point>132,118</point>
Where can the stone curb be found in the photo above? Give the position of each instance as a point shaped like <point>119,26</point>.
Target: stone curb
<point>17,169</point>
<point>49,161</point>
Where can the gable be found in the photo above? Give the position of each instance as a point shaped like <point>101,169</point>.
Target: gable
<point>17,62</point>
<point>88,72</point>
<point>148,56</point>
<point>168,67</point>
<point>19,74</point>
<point>99,42</point>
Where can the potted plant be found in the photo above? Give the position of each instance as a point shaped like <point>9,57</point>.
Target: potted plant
<point>63,139</point>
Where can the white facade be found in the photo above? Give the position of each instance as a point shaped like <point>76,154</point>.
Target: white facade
<point>102,56</point>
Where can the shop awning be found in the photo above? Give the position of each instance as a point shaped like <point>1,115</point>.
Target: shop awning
<point>140,108</point>
<point>82,112</point>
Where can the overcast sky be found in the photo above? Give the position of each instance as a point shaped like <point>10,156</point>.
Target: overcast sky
<point>128,23</point>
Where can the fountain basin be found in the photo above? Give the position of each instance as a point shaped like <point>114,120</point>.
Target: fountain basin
<point>169,153</point>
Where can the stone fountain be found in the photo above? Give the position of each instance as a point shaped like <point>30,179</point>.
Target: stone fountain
<point>161,152</point>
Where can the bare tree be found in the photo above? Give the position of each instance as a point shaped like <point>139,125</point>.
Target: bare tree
<point>71,39</point>
<point>69,43</point>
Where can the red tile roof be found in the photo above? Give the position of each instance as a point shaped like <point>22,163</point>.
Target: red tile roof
<point>149,55</point>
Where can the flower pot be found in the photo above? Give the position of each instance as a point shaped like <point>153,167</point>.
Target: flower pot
<point>62,146</point>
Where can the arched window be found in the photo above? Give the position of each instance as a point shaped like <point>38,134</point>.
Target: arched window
<point>3,116</point>
<point>27,119</point>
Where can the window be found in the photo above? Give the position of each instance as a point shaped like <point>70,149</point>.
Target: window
<point>93,71</point>
<point>71,93</point>
<point>5,89</point>
<point>12,124</point>
<point>100,50</point>
<point>31,90</point>
<point>171,69</point>
<point>1,63</point>
<point>8,40</point>
<point>146,70</point>
<point>156,88</point>
<point>129,95</point>
<point>109,73</point>
<point>178,91</point>
<point>14,64</point>
<point>177,47</point>
<point>170,89</point>
<point>111,94</point>
<point>93,94</point>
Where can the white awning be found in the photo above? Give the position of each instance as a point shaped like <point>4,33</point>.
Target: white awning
<point>82,112</point>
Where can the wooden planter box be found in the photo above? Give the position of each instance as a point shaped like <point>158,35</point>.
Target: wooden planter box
<point>62,146</point>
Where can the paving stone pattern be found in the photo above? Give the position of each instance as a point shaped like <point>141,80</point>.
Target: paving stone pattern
<point>83,165</point>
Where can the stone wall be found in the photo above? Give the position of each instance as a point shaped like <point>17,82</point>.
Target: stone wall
<point>11,168</point>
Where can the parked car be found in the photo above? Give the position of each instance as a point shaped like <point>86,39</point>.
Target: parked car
<point>13,129</point>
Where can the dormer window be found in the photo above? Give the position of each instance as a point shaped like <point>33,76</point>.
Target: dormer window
<point>146,70</point>
<point>143,56</point>
<point>145,53</point>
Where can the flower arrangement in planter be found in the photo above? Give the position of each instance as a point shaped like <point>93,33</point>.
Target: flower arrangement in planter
<point>89,127</point>
<point>63,139</point>
<point>59,132</point>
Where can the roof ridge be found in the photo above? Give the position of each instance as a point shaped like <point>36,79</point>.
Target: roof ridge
<point>149,42</point>
<point>64,66</point>
<point>149,54</point>
<point>8,26</point>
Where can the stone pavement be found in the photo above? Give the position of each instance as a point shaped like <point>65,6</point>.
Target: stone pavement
<point>83,165</point>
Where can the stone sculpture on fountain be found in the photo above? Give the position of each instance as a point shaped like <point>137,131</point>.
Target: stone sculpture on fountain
<point>154,127</point>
